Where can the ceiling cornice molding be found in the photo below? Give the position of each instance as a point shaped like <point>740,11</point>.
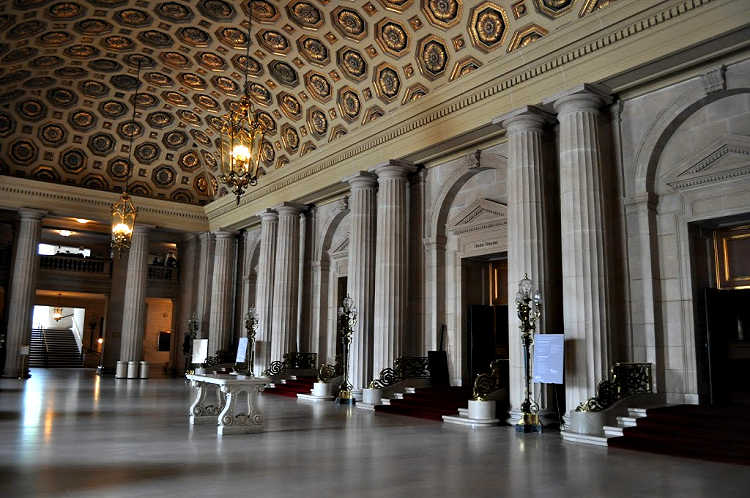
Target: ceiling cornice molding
<point>626,37</point>
<point>67,200</point>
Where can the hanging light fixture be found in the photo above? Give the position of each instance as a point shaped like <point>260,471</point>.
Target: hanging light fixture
<point>124,211</point>
<point>57,311</point>
<point>241,136</point>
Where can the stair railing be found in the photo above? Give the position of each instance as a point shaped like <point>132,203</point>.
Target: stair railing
<point>46,348</point>
<point>406,367</point>
<point>625,379</point>
<point>294,360</point>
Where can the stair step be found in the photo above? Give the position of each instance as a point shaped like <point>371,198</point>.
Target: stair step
<point>627,421</point>
<point>611,431</point>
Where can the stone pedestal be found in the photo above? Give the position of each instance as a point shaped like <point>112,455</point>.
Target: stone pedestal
<point>528,238</point>
<point>22,288</point>
<point>584,255</point>
<point>391,263</point>
<point>269,223</point>
<point>479,414</point>
<point>361,274</point>
<point>284,331</point>
<point>220,320</point>
<point>134,307</point>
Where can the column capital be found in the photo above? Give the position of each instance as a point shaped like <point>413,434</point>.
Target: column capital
<point>205,236</point>
<point>394,168</point>
<point>584,97</point>
<point>289,208</point>
<point>363,179</point>
<point>528,117</point>
<point>142,229</point>
<point>31,214</point>
<point>223,234</point>
<point>267,215</point>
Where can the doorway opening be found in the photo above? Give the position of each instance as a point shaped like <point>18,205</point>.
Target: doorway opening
<point>484,291</point>
<point>720,251</point>
<point>158,336</point>
<point>341,283</point>
<point>57,337</point>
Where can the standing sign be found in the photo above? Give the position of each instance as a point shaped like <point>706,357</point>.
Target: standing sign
<point>200,351</point>
<point>548,358</point>
<point>241,351</point>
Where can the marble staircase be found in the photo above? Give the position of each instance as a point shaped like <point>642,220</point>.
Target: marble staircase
<point>425,402</point>
<point>290,386</point>
<point>54,348</point>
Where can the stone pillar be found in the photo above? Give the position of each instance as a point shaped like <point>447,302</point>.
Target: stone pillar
<point>301,331</point>
<point>187,256</point>
<point>361,274</point>
<point>220,318</point>
<point>134,307</point>
<point>22,288</point>
<point>205,277</point>
<point>528,238</point>
<point>391,263</point>
<point>584,255</point>
<point>269,223</point>
<point>284,335</point>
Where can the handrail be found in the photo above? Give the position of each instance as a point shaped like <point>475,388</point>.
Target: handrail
<point>60,262</point>
<point>46,348</point>
<point>157,272</point>
<point>625,379</point>
<point>406,367</point>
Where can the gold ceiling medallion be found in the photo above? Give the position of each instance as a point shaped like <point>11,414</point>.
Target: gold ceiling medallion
<point>289,138</point>
<point>305,15</point>
<point>526,35</point>
<point>432,57</point>
<point>396,5</point>
<point>349,104</point>
<point>392,37</point>
<point>352,63</point>
<point>349,23</point>
<point>317,122</point>
<point>263,11</point>
<point>273,41</point>
<point>554,8</point>
<point>487,26</point>
<point>313,50</point>
<point>443,13</point>
<point>387,82</point>
<point>318,86</point>
<point>242,136</point>
<point>464,67</point>
<point>290,105</point>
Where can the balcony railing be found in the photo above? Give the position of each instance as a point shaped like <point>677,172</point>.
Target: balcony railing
<point>76,264</point>
<point>162,273</point>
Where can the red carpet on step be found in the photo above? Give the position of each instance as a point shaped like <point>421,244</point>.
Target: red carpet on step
<point>429,402</point>
<point>706,433</point>
<point>291,388</point>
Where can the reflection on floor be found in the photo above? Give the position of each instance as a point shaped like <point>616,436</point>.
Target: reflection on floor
<point>70,433</point>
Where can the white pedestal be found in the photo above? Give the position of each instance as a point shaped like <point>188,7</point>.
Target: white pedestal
<point>132,370</point>
<point>321,391</point>
<point>372,396</point>
<point>144,370</point>
<point>121,370</point>
<point>479,414</point>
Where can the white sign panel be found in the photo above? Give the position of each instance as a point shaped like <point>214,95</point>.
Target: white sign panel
<point>200,350</point>
<point>241,350</point>
<point>548,358</point>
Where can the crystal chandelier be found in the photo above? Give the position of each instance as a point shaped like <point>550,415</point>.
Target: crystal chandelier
<point>124,211</point>
<point>241,137</point>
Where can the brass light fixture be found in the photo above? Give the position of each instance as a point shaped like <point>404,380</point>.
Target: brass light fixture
<point>529,309</point>
<point>124,210</point>
<point>241,136</point>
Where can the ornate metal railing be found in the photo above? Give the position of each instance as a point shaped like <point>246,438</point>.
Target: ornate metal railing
<point>221,357</point>
<point>487,383</point>
<point>407,367</point>
<point>625,379</point>
<point>161,273</point>
<point>75,264</point>
<point>304,361</point>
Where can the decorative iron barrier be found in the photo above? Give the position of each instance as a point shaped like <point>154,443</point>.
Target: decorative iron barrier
<point>75,264</point>
<point>305,361</point>
<point>625,379</point>
<point>407,367</point>
<point>161,273</point>
<point>487,383</point>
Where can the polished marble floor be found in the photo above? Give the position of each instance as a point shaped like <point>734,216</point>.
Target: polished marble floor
<point>70,433</point>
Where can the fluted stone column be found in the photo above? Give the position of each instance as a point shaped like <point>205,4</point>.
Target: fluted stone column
<point>528,237</point>
<point>187,252</point>
<point>284,335</point>
<point>584,255</point>
<point>205,278</point>
<point>391,263</point>
<point>269,224</point>
<point>134,307</point>
<point>301,332</point>
<point>22,288</point>
<point>361,274</point>
<point>220,319</point>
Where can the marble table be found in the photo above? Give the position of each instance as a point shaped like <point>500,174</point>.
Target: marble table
<point>224,409</point>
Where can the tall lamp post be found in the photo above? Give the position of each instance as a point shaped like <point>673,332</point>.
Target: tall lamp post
<point>251,325</point>
<point>347,322</point>
<point>529,308</point>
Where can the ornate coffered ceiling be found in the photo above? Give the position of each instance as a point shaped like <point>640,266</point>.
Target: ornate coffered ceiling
<point>318,70</point>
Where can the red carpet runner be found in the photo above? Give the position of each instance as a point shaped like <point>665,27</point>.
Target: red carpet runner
<point>429,402</point>
<point>718,434</point>
<point>292,388</point>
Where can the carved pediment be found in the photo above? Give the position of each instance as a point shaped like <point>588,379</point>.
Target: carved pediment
<point>480,214</point>
<point>725,159</point>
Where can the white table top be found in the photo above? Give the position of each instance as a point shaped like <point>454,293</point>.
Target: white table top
<point>226,379</point>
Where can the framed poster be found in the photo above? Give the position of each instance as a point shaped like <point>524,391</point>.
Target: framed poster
<point>241,351</point>
<point>548,358</point>
<point>200,350</point>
